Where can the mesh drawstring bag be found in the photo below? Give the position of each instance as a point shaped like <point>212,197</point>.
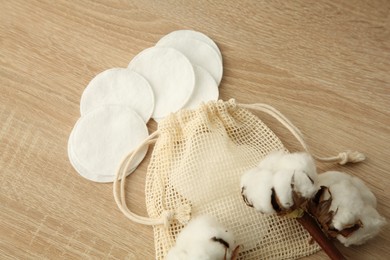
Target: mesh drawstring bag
<point>195,168</point>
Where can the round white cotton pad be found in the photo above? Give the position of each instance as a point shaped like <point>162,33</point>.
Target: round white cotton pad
<point>84,172</point>
<point>119,86</point>
<point>206,88</point>
<point>101,139</point>
<point>198,52</point>
<point>81,170</point>
<point>194,35</point>
<point>171,76</point>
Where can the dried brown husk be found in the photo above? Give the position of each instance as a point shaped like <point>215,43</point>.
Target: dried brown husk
<point>299,210</point>
<point>235,253</point>
<point>300,202</point>
<point>249,204</point>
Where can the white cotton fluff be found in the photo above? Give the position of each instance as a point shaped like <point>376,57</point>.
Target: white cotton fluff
<point>256,186</point>
<point>301,165</point>
<point>198,241</point>
<point>352,201</point>
<point>279,170</point>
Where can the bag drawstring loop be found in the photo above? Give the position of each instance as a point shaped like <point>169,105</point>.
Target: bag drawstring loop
<point>183,212</point>
<point>342,158</point>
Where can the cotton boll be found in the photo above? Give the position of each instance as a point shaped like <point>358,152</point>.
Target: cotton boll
<point>372,224</point>
<point>354,219</point>
<point>346,203</point>
<point>301,165</point>
<point>283,188</point>
<point>349,196</point>
<point>366,194</point>
<point>304,185</point>
<point>271,161</point>
<point>203,238</point>
<point>280,181</point>
<point>299,162</point>
<point>331,177</point>
<point>256,189</point>
<point>199,251</point>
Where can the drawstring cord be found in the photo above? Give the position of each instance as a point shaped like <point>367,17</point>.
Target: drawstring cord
<point>182,212</point>
<point>342,158</point>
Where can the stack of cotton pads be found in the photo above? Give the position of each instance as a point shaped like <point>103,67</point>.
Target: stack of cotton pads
<point>181,71</point>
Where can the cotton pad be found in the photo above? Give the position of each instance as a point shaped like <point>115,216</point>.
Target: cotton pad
<point>119,86</point>
<point>84,172</point>
<point>101,138</point>
<point>198,52</point>
<point>170,75</point>
<point>81,170</point>
<point>194,35</point>
<point>206,89</point>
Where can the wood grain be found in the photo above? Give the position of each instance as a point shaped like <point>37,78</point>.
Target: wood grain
<point>324,64</point>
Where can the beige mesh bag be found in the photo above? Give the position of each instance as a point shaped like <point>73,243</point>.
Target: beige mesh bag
<point>195,168</point>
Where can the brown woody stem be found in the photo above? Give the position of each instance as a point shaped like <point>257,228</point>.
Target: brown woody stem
<point>310,224</point>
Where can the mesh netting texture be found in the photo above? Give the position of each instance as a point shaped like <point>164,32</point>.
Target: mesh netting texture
<point>197,163</point>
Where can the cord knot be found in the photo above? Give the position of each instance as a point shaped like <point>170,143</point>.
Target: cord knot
<point>182,214</point>
<point>351,156</point>
<point>168,216</point>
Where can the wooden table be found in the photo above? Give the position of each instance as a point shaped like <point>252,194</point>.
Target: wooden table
<point>324,64</point>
